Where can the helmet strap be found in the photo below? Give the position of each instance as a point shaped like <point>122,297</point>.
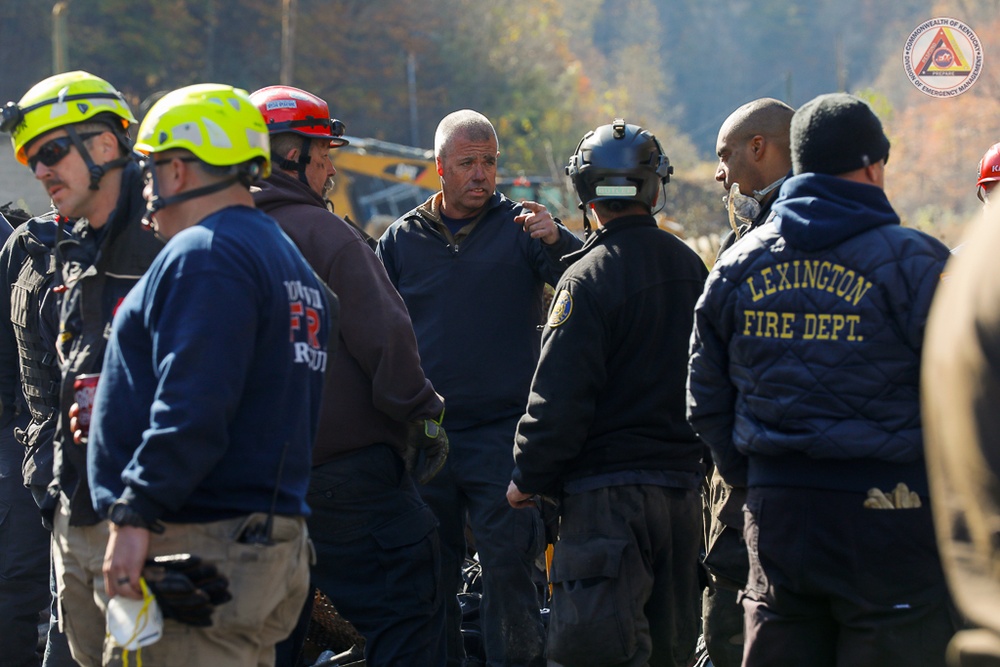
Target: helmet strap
<point>298,166</point>
<point>96,171</point>
<point>157,203</point>
<point>304,159</point>
<point>661,201</point>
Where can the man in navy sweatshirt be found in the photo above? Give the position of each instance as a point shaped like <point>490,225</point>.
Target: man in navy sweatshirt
<point>471,266</point>
<point>206,410</point>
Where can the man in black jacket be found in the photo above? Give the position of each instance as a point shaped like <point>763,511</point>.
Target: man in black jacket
<point>24,542</point>
<point>71,130</point>
<point>753,156</point>
<point>754,159</point>
<point>29,386</point>
<point>604,428</point>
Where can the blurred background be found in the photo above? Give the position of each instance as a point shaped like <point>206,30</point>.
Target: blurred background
<point>544,71</point>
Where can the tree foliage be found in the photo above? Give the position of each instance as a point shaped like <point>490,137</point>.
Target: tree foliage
<point>546,71</point>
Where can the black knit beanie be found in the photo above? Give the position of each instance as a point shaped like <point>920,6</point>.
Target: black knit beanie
<point>834,134</point>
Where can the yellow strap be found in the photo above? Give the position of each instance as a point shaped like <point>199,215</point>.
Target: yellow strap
<point>549,551</point>
<point>140,624</point>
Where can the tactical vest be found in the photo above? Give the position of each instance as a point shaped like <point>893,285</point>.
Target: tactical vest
<point>40,374</point>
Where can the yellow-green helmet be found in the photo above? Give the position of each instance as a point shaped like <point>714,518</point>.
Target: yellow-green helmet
<point>63,99</point>
<point>216,122</point>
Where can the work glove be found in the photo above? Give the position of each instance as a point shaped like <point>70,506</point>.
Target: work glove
<point>186,589</point>
<point>899,498</point>
<point>426,448</point>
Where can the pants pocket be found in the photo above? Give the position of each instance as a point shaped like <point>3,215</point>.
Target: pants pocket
<point>591,622</point>
<point>410,556</point>
<point>900,556</point>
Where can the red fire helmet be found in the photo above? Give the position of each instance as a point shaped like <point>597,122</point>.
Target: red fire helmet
<point>289,109</point>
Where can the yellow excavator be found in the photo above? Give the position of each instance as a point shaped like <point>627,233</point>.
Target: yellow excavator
<point>378,181</point>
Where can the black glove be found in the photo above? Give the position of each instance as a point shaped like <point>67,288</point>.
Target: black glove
<point>186,589</point>
<point>48,504</point>
<point>428,437</point>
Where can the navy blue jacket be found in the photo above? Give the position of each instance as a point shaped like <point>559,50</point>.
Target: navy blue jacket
<point>476,306</point>
<point>211,384</point>
<point>805,356</point>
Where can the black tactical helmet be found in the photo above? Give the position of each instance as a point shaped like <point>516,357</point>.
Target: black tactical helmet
<point>619,161</point>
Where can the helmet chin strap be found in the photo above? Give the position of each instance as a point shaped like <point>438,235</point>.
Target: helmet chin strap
<point>96,171</point>
<point>157,203</point>
<point>297,165</point>
<point>587,231</point>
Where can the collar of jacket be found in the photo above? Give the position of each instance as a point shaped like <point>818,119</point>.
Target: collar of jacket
<point>281,188</point>
<point>430,210</point>
<point>613,227</point>
<point>818,211</point>
<point>430,213</point>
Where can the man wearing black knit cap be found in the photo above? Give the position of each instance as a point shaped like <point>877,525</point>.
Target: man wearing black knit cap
<point>804,381</point>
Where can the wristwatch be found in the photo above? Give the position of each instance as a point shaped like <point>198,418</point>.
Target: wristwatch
<point>122,514</point>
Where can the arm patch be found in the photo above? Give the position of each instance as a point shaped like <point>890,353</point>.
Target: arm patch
<point>562,308</point>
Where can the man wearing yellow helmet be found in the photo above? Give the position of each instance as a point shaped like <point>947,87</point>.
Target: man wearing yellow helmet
<point>206,411</point>
<point>71,130</point>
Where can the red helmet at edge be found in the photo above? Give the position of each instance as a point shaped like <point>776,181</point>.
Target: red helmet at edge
<point>289,109</point>
<point>989,170</point>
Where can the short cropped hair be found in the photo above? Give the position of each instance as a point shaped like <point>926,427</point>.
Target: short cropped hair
<point>283,142</point>
<point>466,123</point>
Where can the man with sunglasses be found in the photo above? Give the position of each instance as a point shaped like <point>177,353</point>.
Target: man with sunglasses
<point>71,130</point>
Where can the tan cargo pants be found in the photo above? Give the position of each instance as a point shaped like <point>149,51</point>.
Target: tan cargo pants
<point>269,584</point>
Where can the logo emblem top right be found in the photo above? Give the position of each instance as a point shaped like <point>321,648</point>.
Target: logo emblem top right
<point>943,57</point>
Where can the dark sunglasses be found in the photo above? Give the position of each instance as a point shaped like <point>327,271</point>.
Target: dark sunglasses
<point>53,151</point>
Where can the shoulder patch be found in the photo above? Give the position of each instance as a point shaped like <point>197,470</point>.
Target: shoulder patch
<point>562,308</point>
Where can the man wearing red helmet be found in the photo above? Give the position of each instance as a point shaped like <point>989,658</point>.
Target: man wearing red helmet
<point>989,173</point>
<point>376,540</point>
